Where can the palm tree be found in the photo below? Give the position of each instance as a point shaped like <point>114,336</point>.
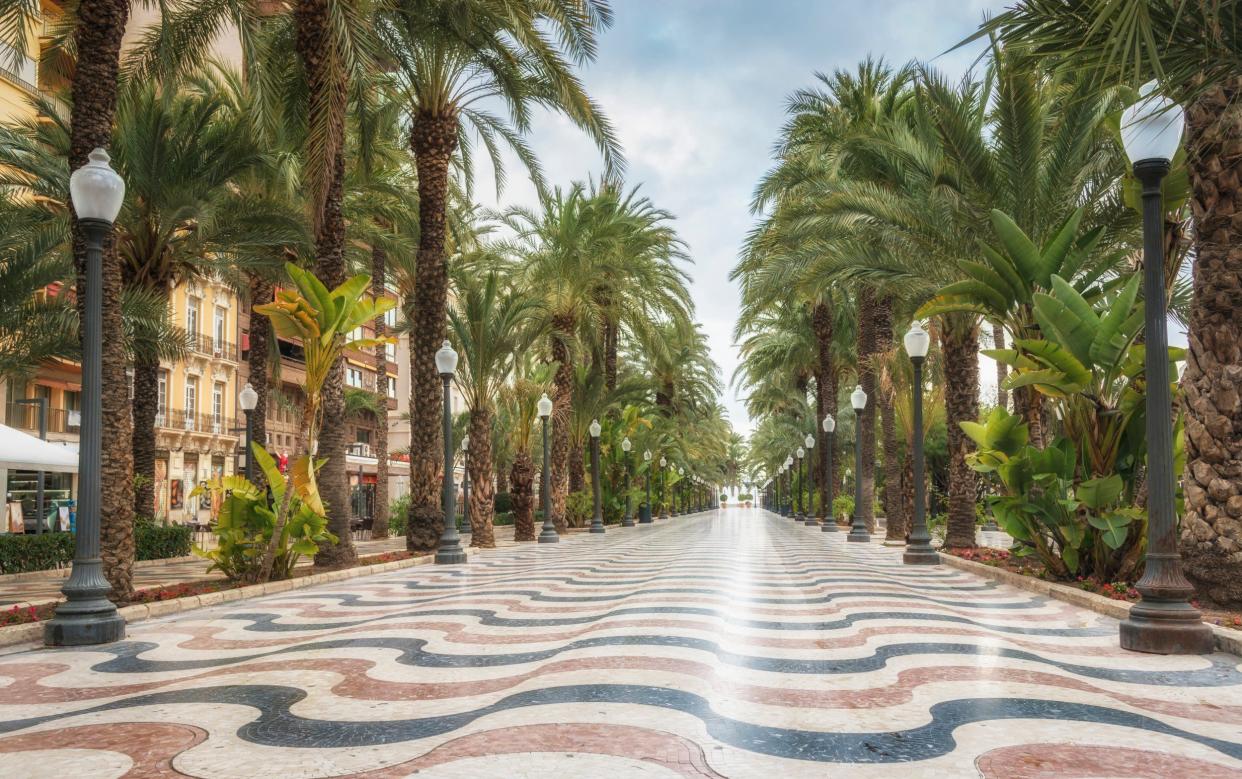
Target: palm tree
<point>450,58</point>
<point>1194,49</point>
<point>531,380</point>
<point>490,322</point>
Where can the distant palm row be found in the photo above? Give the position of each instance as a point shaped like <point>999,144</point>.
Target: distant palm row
<point>1001,209</point>
<point>347,143</point>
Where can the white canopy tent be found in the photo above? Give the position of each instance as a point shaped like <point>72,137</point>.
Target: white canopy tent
<point>19,451</point>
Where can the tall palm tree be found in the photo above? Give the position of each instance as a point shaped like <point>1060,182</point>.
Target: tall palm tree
<point>451,59</point>
<point>490,322</point>
<point>530,381</point>
<point>1194,49</point>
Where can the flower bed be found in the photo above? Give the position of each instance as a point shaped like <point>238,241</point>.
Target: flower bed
<point>1123,591</point>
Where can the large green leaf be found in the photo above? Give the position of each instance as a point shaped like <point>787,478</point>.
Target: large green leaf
<point>1111,340</point>
<point>985,275</point>
<point>1048,380</point>
<point>1058,248</point>
<point>1100,492</point>
<point>1113,528</point>
<point>1018,246</point>
<point>1003,267</point>
<point>1055,356</point>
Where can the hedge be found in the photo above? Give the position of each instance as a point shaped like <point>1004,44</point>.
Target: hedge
<point>25,553</point>
<point>34,552</point>
<point>160,542</point>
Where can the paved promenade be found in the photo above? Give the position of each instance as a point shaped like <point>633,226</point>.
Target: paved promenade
<point>727,644</point>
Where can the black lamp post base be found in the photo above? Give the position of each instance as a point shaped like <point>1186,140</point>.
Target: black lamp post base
<point>1166,627</point>
<point>830,526</point>
<point>597,530</point>
<point>627,522</point>
<point>858,532</point>
<point>86,629</point>
<point>920,555</point>
<point>450,555</point>
<point>810,521</point>
<point>549,537</point>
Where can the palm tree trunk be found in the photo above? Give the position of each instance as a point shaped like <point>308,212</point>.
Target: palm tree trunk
<point>959,341</point>
<point>610,353</point>
<point>379,273</point>
<point>97,38</point>
<point>432,138</point>
<point>894,510</point>
<point>334,476</point>
<point>825,402</point>
<point>522,490</point>
<point>502,478</point>
<point>867,333</point>
<point>261,292</point>
<point>145,407</point>
<point>998,342</point>
<point>838,459</point>
<point>479,462</point>
<point>1213,476</point>
<point>577,468</point>
<point>562,407</point>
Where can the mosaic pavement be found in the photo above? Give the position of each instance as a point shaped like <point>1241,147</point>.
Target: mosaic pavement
<point>729,644</point>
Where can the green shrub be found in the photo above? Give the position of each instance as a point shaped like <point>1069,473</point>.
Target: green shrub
<point>26,553</point>
<point>502,503</point>
<point>745,496</point>
<point>578,508</point>
<point>398,515</point>
<point>500,519</point>
<point>842,505</point>
<point>160,542</point>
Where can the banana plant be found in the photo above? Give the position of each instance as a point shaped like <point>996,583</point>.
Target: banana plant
<point>321,320</point>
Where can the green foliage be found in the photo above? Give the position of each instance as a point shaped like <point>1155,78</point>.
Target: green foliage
<point>398,515</point>
<point>160,542</point>
<point>25,553</point>
<point>578,508</point>
<point>1076,523</point>
<point>247,526</point>
<point>842,506</point>
<point>502,503</point>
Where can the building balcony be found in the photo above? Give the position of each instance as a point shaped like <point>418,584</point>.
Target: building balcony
<point>26,417</point>
<point>211,347</point>
<point>203,424</point>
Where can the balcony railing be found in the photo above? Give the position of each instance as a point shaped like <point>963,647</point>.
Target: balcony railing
<point>26,417</point>
<point>208,424</point>
<point>206,344</point>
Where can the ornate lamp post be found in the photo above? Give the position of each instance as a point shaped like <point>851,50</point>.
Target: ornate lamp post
<point>465,528</point>
<point>799,516</point>
<point>1163,621</point>
<point>644,516</point>
<point>248,399</point>
<point>830,520</point>
<point>597,520</point>
<point>87,616</point>
<point>858,530</point>
<point>450,551</point>
<point>919,550</point>
<point>663,482</point>
<point>548,534</point>
<point>679,494</point>
<point>789,499</point>
<point>626,446</point>
<point>776,489</point>
<point>810,518</point>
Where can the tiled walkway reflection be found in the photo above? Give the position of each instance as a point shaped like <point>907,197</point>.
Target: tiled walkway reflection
<point>728,644</point>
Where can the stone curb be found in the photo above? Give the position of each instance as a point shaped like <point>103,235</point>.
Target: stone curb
<point>32,633</point>
<point>1226,640</point>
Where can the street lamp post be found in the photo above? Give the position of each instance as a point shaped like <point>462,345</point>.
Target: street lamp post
<point>799,515</point>
<point>919,550</point>
<point>40,478</point>
<point>1163,621</point>
<point>548,534</point>
<point>626,446</point>
<point>810,518</point>
<point>450,551</point>
<point>830,519</point>
<point>679,495</point>
<point>858,530</point>
<point>87,616</point>
<point>663,482</point>
<point>597,520</point>
<point>248,399</point>
<point>789,488</point>
<point>644,516</point>
<point>466,529</point>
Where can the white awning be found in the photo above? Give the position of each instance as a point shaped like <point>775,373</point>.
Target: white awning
<point>19,451</point>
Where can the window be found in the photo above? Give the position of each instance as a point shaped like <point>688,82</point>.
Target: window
<point>390,317</point>
<point>161,413</point>
<point>73,408</point>
<point>191,401</point>
<point>192,305</point>
<point>392,386</point>
<point>356,334</point>
<point>390,352</point>
<point>353,377</point>
<point>363,436</point>
<point>218,328</point>
<point>217,407</point>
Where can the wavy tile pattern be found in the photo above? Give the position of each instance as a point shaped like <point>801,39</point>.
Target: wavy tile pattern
<point>727,644</point>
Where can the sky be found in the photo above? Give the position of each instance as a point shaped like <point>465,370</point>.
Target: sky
<point>696,90</point>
